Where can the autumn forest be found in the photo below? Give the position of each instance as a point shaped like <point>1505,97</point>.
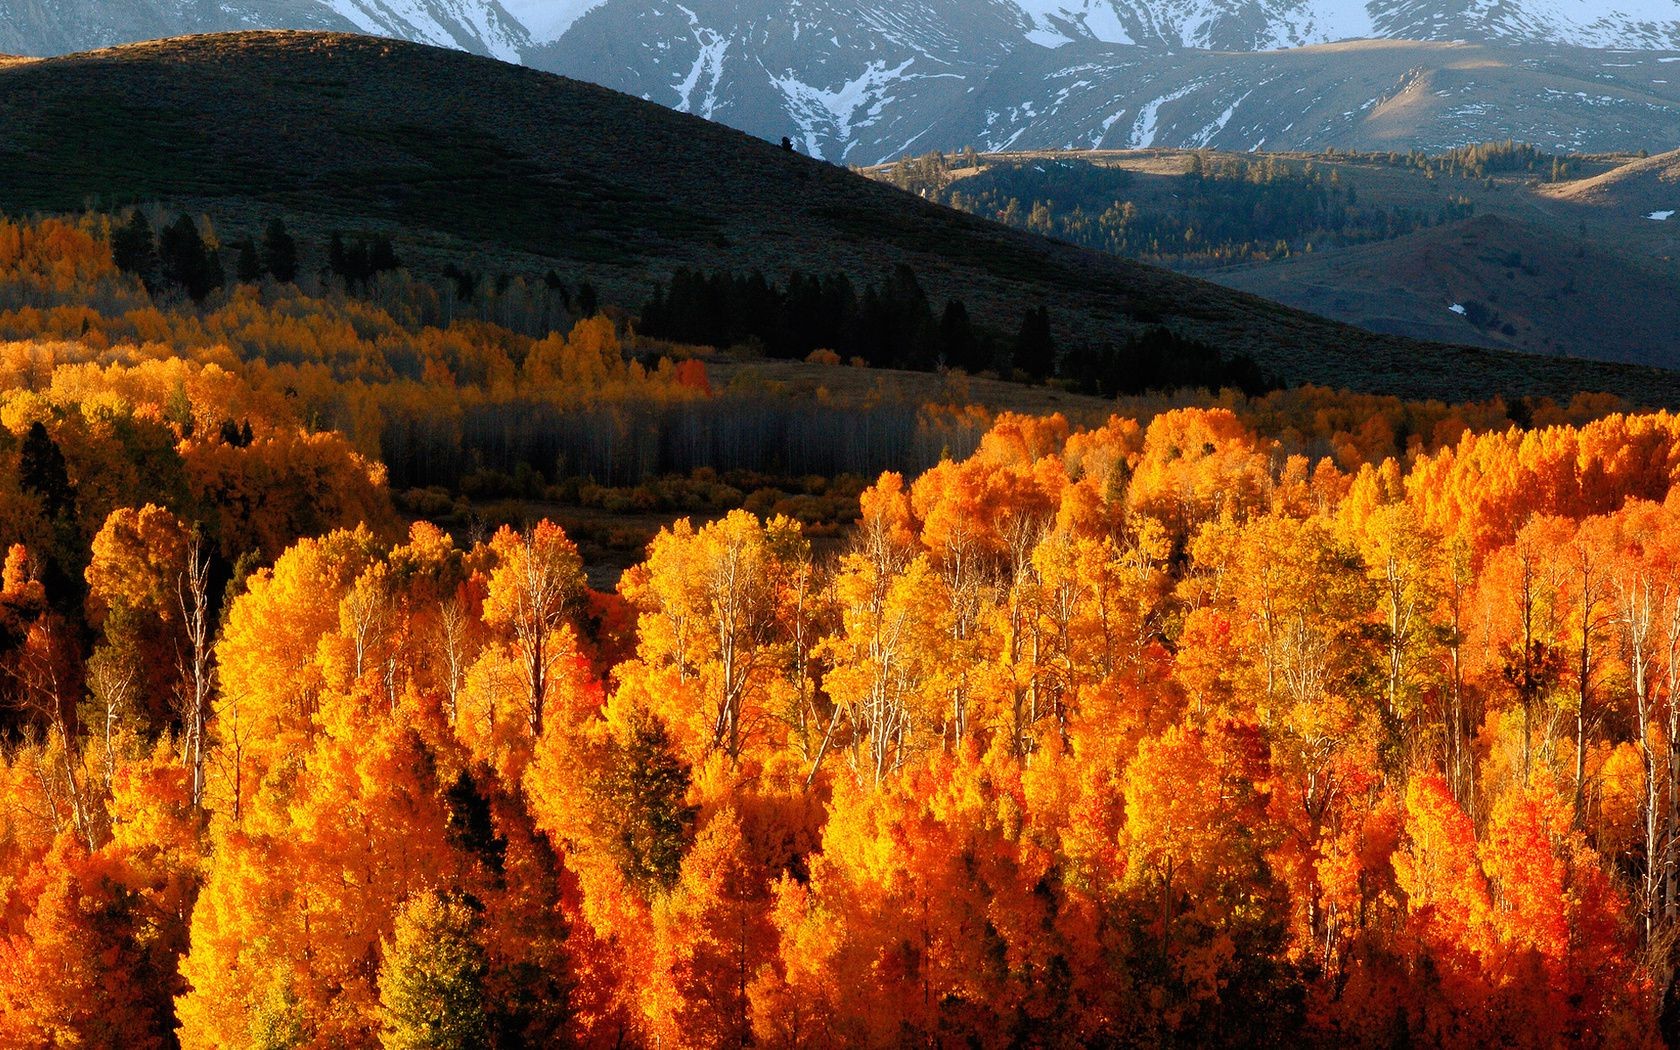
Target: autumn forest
<point>1279,719</point>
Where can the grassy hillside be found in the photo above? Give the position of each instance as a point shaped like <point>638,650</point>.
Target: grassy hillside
<point>1563,255</point>
<point>522,172</point>
<point>1648,185</point>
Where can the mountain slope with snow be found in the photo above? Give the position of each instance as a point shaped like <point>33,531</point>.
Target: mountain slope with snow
<point>861,81</point>
<point>546,21</point>
<point>48,27</point>
<point>1263,25</point>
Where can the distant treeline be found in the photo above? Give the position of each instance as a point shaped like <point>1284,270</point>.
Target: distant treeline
<point>1159,360</point>
<point>1222,211</point>
<point>182,258</point>
<point>1478,161</point>
<point>894,325</point>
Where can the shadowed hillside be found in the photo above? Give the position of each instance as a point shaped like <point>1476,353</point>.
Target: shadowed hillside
<point>1492,280</point>
<point>523,172</point>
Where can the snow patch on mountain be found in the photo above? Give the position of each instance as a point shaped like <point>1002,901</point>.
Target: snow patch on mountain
<point>1148,121</point>
<point>1217,24</point>
<point>1205,136</point>
<point>1058,22</point>
<point>475,22</point>
<point>353,12</point>
<point>833,112</point>
<point>708,67</point>
<point>1583,23</point>
<point>548,20</point>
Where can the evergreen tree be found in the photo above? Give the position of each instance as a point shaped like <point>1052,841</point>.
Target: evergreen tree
<point>279,252</point>
<point>134,248</point>
<point>466,281</point>
<point>336,259</point>
<point>185,262</point>
<point>644,792</point>
<point>471,826</point>
<point>356,266</point>
<point>248,265</point>
<point>42,470</point>
<point>214,275</point>
<point>1035,347</point>
<point>957,343</point>
<point>382,257</point>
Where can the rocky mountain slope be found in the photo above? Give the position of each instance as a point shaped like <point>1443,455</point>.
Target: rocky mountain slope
<point>50,27</point>
<point>862,81</point>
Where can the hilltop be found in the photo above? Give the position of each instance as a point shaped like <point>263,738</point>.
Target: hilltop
<point>1651,184</point>
<point>528,172</point>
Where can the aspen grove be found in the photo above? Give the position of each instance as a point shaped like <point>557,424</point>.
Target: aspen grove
<point>1222,726</point>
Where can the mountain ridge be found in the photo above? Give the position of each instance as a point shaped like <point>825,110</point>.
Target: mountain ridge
<point>352,133</point>
<point>862,81</point>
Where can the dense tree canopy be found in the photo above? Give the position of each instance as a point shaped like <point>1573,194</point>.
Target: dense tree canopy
<point>1305,720</point>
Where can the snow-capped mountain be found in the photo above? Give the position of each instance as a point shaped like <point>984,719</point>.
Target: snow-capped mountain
<point>1264,25</point>
<point>546,21</point>
<point>1257,25</point>
<point>866,80</point>
<point>44,27</point>
<point>474,25</point>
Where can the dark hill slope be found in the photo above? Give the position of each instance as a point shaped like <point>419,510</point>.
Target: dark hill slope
<point>525,171</point>
<point>1515,284</point>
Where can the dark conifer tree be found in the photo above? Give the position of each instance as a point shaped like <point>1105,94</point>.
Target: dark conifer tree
<point>248,265</point>
<point>279,252</point>
<point>1035,347</point>
<point>957,343</point>
<point>466,282</point>
<point>357,267</point>
<point>382,257</point>
<point>134,248</point>
<point>645,791</point>
<point>42,470</point>
<point>335,253</point>
<point>185,262</point>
